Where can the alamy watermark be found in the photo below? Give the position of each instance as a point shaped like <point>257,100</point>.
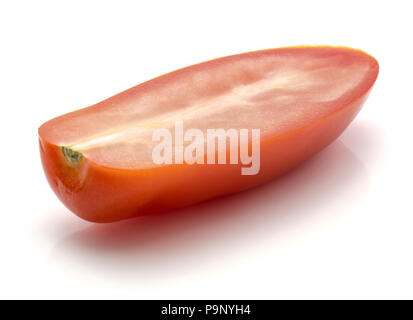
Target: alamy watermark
<point>171,148</point>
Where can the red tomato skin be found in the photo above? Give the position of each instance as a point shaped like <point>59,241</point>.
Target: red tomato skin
<point>101,194</point>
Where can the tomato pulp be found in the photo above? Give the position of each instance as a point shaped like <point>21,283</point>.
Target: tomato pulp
<point>99,160</point>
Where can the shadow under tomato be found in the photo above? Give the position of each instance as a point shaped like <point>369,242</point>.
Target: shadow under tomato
<point>327,184</point>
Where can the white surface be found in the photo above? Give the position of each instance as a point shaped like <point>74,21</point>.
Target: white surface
<point>340,226</point>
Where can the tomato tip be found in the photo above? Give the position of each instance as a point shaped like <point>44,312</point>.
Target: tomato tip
<point>71,155</point>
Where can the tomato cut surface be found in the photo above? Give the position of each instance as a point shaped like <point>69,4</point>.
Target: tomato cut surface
<point>99,159</point>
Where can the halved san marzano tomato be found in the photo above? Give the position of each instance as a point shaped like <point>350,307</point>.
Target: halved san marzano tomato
<point>99,160</point>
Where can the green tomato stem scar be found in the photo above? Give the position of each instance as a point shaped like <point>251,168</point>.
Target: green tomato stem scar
<point>71,155</point>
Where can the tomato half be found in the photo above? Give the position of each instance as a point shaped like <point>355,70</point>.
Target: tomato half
<point>99,160</point>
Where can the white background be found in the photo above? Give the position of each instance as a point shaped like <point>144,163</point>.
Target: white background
<point>339,226</point>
